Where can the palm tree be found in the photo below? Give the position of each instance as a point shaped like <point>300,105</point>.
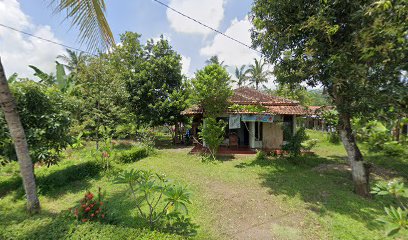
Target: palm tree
<point>257,73</point>
<point>89,17</point>
<point>241,75</point>
<point>73,60</point>
<point>215,60</point>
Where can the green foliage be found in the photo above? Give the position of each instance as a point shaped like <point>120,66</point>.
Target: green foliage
<point>161,197</point>
<point>45,120</point>
<point>396,218</point>
<point>134,154</point>
<point>247,108</point>
<point>212,133</point>
<point>310,144</point>
<point>152,66</point>
<point>393,148</point>
<point>260,156</point>
<point>55,178</point>
<point>91,209</point>
<point>257,74</point>
<point>301,94</point>
<point>330,43</point>
<point>211,90</point>
<point>294,142</point>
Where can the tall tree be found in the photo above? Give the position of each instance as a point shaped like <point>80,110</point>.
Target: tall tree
<point>153,78</point>
<point>73,61</point>
<point>336,44</point>
<point>257,73</point>
<point>215,60</point>
<point>89,15</point>
<point>211,89</point>
<point>241,75</point>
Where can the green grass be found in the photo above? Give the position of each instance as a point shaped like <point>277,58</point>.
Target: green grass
<point>298,202</point>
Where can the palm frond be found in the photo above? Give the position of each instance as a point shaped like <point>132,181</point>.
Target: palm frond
<point>89,17</point>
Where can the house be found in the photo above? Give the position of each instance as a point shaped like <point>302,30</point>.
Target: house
<point>255,119</point>
<point>314,120</point>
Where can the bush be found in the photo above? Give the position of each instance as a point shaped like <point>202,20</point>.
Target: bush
<point>161,197</point>
<point>309,144</point>
<point>50,179</point>
<point>294,141</point>
<point>90,208</point>
<point>260,156</point>
<point>45,120</point>
<point>134,154</point>
<point>393,148</point>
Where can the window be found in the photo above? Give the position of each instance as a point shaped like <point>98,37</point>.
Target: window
<point>258,131</point>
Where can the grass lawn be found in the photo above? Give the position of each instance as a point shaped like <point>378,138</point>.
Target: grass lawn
<point>235,198</point>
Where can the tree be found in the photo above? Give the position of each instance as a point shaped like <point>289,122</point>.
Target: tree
<point>46,120</point>
<point>153,78</point>
<point>89,15</point>
<point>215,60</point>
<point>241,75</point>
<point>257,73</point>
<point>339,45</point>
<point>73,60</point>
<point>211,90</point>
<point>212,132</point>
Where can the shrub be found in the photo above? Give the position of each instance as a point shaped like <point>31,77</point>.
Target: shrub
<point>393,148</point>
<point>309,144</point>
<point>52,178</point>
<point>91,208</point>
<point>134,154</point>
<point>161,197</point>
<point>396,218</point>
<point>45,119</point>
<point>260,155</point>
<point>212,133</point>
<point>294,142</point>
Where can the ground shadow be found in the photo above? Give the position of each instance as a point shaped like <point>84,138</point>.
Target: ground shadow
<point>323,192</point>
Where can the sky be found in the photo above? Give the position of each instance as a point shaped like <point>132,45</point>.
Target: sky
<point>192,41</point>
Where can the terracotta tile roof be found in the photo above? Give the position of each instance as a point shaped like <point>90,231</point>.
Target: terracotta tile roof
<point>249,96</point>
<point>316,110</point>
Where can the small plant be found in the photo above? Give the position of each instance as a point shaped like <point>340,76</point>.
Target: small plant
<point>294,142</point>
<point>212,133</point>
<point>396,218</point>
<point>154,196</point>
<point>104,154</point>
<point>91,208</point>
<point>260,155</point>
<point>77,141</point>
<point>309,144</point>
<point>134,154</point>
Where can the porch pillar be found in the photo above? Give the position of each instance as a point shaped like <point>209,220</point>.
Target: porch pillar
<point>251,134</point>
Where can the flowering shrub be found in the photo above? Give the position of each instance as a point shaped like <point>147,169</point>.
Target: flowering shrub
<point>91,208</point>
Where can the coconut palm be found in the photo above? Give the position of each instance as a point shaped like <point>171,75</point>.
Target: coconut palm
<point>241,75</point>
<point>73,60</point>
<point>257,74</point>
<point>89,17</point>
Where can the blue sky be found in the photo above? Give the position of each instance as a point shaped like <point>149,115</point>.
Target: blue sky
<point>194,42</point>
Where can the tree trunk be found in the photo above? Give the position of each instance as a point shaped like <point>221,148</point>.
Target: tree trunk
<point>359,169</point>
<point>18,136</point>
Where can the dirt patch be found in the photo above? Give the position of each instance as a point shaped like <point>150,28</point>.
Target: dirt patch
<point>252,213</point>
<point>376,172</point>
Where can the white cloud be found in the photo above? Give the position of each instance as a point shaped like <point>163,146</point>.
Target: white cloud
<point>185,61</point>
<point>210,12</point>
<point>233,53</point>
<point>17,51</point>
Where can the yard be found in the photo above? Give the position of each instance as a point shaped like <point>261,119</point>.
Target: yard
<point>235,198</point>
